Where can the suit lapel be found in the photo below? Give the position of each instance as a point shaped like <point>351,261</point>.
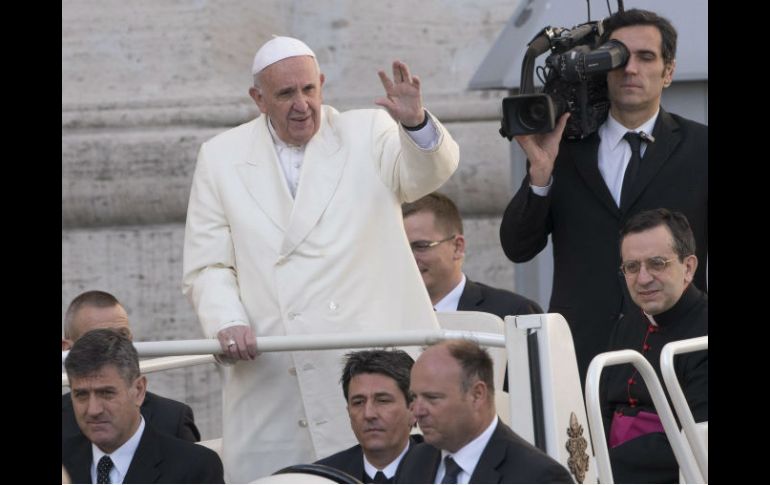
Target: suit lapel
<point>263,178</point>
<point>471,297</point>
<point>667,137</point>
<point>321,174</point>
<point>81,457</point>
<point>491,458</point>
<point>356,465</point>
<point>144,467</point>
<point>586,159</point>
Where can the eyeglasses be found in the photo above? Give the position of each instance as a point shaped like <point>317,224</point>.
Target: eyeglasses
<point>654,265</point>
<point>421,246</point>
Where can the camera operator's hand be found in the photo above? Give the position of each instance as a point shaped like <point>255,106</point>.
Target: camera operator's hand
<point>541,150</point>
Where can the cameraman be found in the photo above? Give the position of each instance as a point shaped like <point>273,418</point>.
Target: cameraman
<point>573,189</point>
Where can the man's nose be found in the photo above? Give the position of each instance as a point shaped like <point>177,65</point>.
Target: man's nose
<point>644,276</point>
<point>418,410</point>
<point>300,103</point>
<point>369,410</point>
<point>95,406</point>
<point>631,66</point>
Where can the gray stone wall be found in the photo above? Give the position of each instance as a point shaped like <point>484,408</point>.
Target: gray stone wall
<point>145,82</point>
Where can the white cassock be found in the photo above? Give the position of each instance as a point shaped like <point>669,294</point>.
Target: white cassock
<point>336,259</point>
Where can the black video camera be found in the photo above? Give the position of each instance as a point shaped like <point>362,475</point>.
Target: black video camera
<point>574,78</point>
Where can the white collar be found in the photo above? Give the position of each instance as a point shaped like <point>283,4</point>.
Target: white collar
<point>451,300</point>
<point>612,131</point>
<point>390,469</point>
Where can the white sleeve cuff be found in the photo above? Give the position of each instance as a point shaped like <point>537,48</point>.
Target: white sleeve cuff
<point>542,191</point>
<point>426,137</point>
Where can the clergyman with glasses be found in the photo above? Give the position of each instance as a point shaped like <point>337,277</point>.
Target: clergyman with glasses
<point>435,231</point>
<point>658,262</point>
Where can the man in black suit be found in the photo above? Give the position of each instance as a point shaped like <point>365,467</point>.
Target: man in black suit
<point>375,384</point>
<point>465,442</point>
<point>582,192</point>
<point>99,309</point>
<point>435,232</point>
<point>117,445</point>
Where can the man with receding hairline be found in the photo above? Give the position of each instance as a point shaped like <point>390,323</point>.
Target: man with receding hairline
<point>452,387</point>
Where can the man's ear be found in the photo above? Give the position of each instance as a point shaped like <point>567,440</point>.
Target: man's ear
<point>690,265</point>
<point>668,73</point>
<point>256,95</point>
<point>459,243</point>
<point>140,385</point>
<point>66,344</point>
<point>480,393</point>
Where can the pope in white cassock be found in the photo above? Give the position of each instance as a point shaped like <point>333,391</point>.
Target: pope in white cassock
<point>294,227</point>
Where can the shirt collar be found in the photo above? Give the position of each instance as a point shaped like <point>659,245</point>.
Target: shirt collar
<point>121,458</point>
<point>612,131</point>
<point>452,299</point>
<point>390,469</point>
<point>468,456</point>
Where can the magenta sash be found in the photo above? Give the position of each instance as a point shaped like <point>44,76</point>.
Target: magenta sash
<point>624,428</point>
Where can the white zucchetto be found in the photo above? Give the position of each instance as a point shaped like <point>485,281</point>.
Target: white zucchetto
<point>277,49</point>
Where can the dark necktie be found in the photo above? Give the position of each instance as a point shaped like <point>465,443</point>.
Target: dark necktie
<point>635,140</point>
<point>380,477</point>
<point>103,470</point>
<point>452,470</point>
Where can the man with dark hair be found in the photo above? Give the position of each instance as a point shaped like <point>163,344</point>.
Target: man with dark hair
<point>99,309</point>
<point>375,384</point>
<point>659,261</point>
<point>117,444</point>
<point>582,192</point>
<point>435,231</point>
<point>453,390</point>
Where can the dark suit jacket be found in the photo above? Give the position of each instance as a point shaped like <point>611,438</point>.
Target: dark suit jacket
<point>351,461</point>
<point>507,458</point>
<point>479,297</point>
<point>159,458</point>
<point>166,415</point>
<point>584,221</point>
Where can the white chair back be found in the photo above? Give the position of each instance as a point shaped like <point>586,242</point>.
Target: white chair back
<point>543,370</point>
<point>680,446</point>
<point>695,433</point>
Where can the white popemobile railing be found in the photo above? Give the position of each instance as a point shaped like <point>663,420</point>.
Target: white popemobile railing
<point>557,396</point>
<point>695,432</point>
<point>680,446</point>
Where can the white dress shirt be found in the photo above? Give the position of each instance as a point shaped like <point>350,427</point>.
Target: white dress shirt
<point>613,155</point>
<point>468,456</point>
<point>290,157</point>
<point>121,458</point>
<point>390,470</point>
<point>452,299</point>
<point>615,152</point>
